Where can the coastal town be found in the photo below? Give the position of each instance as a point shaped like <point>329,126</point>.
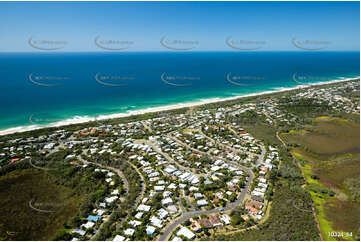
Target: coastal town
<point>195,173</point>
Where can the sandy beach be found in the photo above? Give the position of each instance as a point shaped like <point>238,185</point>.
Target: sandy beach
<point>84,119</point>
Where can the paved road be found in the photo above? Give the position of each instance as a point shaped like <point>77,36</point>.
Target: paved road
<point>279,138</point>
<point>146,126</point>
<point>260,157</point>
<point>189,202</point>
<point>171,227</point>
<point>118,172</point>
<point>181,206</point>
<point>165,155</point>
<point>214,157</point>
<point>263,149</point>
<point>143,184</point>
<point>186,145</point>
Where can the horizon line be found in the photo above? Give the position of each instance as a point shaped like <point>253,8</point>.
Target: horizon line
<point>167,51</point>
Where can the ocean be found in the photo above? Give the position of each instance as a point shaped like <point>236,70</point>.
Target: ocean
<point>40,89</point>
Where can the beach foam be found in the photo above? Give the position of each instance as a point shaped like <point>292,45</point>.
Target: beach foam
<point>84,119</point>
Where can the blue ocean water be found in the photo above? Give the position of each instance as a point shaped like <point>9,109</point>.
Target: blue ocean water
<point>43,88</point>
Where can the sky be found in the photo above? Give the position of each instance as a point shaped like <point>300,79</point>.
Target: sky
<point>174,26</point>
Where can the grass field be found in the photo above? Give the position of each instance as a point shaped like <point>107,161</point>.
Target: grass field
<point>22,192</point>
<point>329,155</point>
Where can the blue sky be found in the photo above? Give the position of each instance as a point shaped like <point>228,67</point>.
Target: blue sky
<point>271,26</point>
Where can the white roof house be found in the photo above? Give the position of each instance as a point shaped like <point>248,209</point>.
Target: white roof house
<point>115,192</point>
<point>161,182</point>
<point>118,238</point>
<point>170,170</point>
<point>172,186</point>
<point>184,176</point>
<point>172,209</point>
<point>135,223</point>
<point>49,146</point>
<point>110,174</point>
<point>186,233</point>
<point>264,185</point>
<point>159,188</point>
<point>193,188</point>
<point>225,218</point>
<point>167,194</point>
<point>139,215</point>
<point>167,201</point>
<point>198,195</point>
<point>156,222</point>
<point>129,231</point>
<point>111,199</point>
<point>193,179</point>
<point>202,202</point>
<point>100,212</point>
<point>260,189</point>
<point>260,194</point>
<point>143,207</point>
<point>182,186</point>
<point>162,213</point>
<point>88,225</point>
<point>79,231</point>
<point>150,230</point>
<point>177,239</point>
<point>215,168</point>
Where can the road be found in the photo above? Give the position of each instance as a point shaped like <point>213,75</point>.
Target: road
<point>263,149</point>
<point>146,126</point>
<point>279,138</point>
<point>214,157</point>
<point>171,227</point>
<point>118,172</point>
<point>260,157</point>
<point>165,155</point>
<point>187,215</point>
<point>143,184</point>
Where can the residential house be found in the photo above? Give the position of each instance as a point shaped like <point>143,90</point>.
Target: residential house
<point>186,233</point>
<point>215,221</point>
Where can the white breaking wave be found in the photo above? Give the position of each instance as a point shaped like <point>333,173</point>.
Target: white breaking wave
<point>84,119</point>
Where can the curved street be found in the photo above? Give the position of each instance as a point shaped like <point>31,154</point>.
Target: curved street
<point>171,227</point>
<point>119,173</point>
<point>187,215</point>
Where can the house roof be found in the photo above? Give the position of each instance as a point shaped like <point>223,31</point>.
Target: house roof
<point>214,220</point>
<point>150,230</point>
<point>94,218</point>
<point>252,209</point>
<point>118,238</point>
<point>205,222</point>
<point>186,232</point>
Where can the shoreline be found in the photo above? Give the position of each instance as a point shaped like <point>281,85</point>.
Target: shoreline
<point>85,119</point>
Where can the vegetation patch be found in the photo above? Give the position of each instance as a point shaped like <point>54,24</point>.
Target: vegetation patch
<point>329,159</point>
<point>32,207</point>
